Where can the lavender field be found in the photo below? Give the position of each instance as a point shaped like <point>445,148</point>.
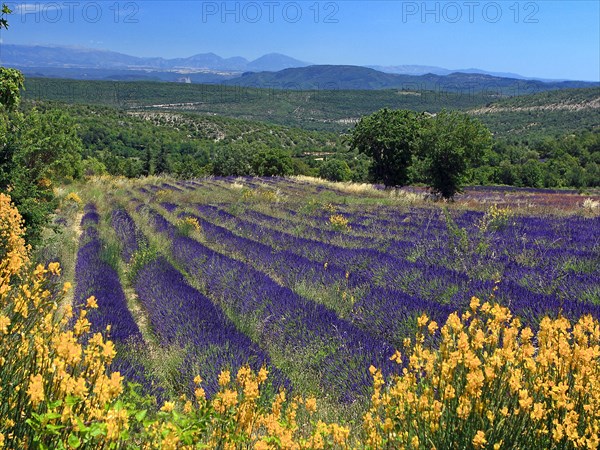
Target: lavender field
<point>316,281</point>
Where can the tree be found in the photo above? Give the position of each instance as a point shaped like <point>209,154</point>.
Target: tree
<point>335,170</point>
<point>450,144</point>
<point>3,21</point>
<point>147,167</point>
<point>270,162</point>
<point>234,160</point>
<point>11,83</point>
<point>40,148</point>
<point>389,137</point>
<point>162,164</point>
<point>11,80</point>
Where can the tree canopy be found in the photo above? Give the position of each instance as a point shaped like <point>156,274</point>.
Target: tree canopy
<point>389,137</point>
<point>450,144</point>
<point>439,149</point>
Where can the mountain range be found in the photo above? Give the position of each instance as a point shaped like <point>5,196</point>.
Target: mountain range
<point>85,58</point>
<point>271,71</point>
<point>329,77</point>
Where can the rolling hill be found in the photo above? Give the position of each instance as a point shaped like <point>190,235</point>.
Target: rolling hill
<point>333,77</point>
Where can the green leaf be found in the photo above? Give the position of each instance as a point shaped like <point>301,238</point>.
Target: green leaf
<point>74,441</point>
<point>82,426</point>
<point>54,404</point>
<point>54,429</point>
<point>96,430</point>
<point>52,416</point>
<point>140,415</point>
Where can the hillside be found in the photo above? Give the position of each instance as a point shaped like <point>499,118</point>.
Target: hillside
<point>332,77</point>
<point>315,110</point>
<point>545,114</point>
<point>122,141</point>
<point>553,112</point>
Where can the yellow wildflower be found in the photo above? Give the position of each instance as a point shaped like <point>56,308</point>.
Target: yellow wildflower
<point>91,302</point>
<point>54,268</point>
<point>4,324</point>
<point>415,441</point>
<point>66,287</point>
<point>397,356</point>
<point>168,407</point>
<point>479,440</point>
<point>311,404</point>
<point>200,394</point>
<point>262,375</point>
<point>422,320</point>
<point>36,389</point>
<point>224,378</point>
<point>432,327</point>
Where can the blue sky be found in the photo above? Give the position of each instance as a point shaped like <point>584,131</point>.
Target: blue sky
<point>548,39</point>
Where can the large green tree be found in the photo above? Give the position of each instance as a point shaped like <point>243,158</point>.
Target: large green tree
<point>269,162</point>
<point>233,160</point>
<point>450,144</point>
<point>390,138</point>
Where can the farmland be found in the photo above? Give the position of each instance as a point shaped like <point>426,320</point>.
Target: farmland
<point>319,283</point>
<point>254,310</point>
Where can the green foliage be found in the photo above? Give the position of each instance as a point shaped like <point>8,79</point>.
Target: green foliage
<point>532,133</point>
<point>389,137</point>
<point>567,161</point>
<point>145,254</point>
<point>162,165</point>
<point>37,150</point>
<point>91,166</point>
<point>450,144</point>
<point>439,150</point>
<point>335,170</point>
<point>51,147</point>
<point>11,83</point>
<point>233,161</point>
<point>268,162</point>
<point>3,21</point>
<point>320,110</point>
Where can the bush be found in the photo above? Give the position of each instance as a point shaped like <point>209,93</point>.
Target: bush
<point>492,383</point>
<point>335,170</point>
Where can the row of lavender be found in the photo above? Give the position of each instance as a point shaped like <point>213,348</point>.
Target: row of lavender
<point>422,283</point>
<point>534,252</point>
<point>336,353</point>
<point>182,318</point>
<point>388,320</point>
<point>94,276</point>
<point>384,312</point>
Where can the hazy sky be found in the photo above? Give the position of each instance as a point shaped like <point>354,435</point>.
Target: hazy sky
<point>549,39</point>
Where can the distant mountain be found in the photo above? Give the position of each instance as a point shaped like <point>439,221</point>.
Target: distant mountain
<point>423,70</point>
<point>27,56</point>
<point>319,77</point>
<point>274,62</point>
<point>329,77</point>
<point>272,70</point>
<point>412,70</point>
<point>40,56</point>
